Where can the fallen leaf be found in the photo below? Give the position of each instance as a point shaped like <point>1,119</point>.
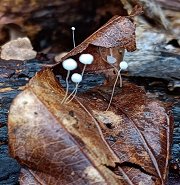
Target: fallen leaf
<point>81,143</point>
<point>113,38</point>
<point>137,128</point>
<point>44,20</point>
<point>110,40</point>
<point>117,32</point>
<point>62,146</point>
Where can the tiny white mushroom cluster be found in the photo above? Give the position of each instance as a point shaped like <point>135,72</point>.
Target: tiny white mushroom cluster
<point>69,65</point>
<point>87,59</point>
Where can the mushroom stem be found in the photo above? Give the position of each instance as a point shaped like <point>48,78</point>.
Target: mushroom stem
<point>75,90</point>
<point>120,79</point>
<point>73,29</point>
<point>113,90</point>
<point>67,86</point>
<point>111,53</point>
<point>116,69</point>
<point>83,70</point>
<point>73,94</point>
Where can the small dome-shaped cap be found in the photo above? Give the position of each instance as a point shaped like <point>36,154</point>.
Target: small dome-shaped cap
<point>123,65</point>
<point>69,64</point>
<point>86,58</point>
<point>76,77</point>
<point>111,59</point>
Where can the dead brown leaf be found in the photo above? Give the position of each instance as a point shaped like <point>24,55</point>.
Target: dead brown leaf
<point>49,17</point>
<point>58,146</point>
<point>80,143</point>
<point>118,33</point>
<point>113,38</point>
<point>137,128</point>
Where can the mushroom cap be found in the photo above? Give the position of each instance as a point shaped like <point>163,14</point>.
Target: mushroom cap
<point>111,59</point>
<point>123,65</point>
<point>76,77</point>
<point>86,58</point>
<point>69,64</point>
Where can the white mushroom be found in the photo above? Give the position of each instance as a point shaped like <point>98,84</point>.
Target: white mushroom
<point>122,66</point>
<point>76,78</point>
<point>73,29</point>
<point>69,65</point>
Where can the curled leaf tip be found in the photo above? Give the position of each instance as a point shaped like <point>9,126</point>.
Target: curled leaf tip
<point>137,10</point>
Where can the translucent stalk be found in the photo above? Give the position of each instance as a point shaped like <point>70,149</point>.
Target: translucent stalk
<point>114,86</point>
<point>67,86</point>
<point>74,92</point>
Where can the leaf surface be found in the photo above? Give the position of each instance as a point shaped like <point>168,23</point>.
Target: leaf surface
<point>81,143</point>
<point>136,127</point>
<point>111,39</point>
<point>53,140</point>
